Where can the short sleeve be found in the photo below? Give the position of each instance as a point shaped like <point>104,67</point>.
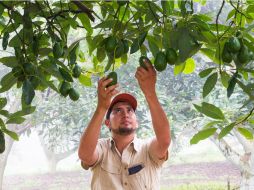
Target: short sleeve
<point>157,161</point>
<point>100,149</point>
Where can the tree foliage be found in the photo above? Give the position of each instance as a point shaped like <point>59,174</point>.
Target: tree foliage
<point>45,54</point>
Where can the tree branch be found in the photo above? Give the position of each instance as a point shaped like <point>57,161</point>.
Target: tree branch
<point>64,11</point>
<point>226,150</point>
<point>84,9</point>
<point>246,145</point>
<point>231,3</point>
<point>217,30</point>
<point>153,12</point>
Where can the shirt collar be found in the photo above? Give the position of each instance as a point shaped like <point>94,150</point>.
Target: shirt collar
<point>135,143</point>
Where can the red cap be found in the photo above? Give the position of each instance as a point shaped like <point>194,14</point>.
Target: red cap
<point>124,97</point>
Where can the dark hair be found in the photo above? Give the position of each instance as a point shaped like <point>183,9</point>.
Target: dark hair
<point>109,112</point>
<point>110,109</point>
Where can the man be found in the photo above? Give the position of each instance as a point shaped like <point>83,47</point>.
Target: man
<point>124,162</point>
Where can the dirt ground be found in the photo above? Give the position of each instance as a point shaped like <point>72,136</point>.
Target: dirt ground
<point>172,175</point>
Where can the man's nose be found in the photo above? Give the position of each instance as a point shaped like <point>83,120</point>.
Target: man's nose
<point>125,113</point>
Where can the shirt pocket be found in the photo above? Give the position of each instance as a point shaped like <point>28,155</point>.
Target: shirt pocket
<point>110,176</point>
<point>139,181</point>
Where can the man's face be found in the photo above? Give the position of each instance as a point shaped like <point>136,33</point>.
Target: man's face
<point>122,119</point>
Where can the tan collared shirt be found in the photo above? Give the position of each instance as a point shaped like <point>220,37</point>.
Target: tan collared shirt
<point>113,171</point>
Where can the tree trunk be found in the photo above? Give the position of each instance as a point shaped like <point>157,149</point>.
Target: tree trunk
<point>4,157</point>
<point>53,158</point>
<point>247,173</point>
<point>245,162</point>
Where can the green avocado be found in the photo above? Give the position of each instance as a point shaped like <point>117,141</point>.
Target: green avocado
<point>65,88</point>
<point>112,75</point>
<point>73,94</point>
<point>234,44</point>
<point>111,44</point>
<point>76,71</point>
<point>2,142</point>
<point>171,56</point>
<point>142,59</point>
<point>243,55</point>
<point>160,62</point>
<point>226,56</point>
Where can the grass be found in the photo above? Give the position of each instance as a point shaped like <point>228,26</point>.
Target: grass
<point>206,186</point>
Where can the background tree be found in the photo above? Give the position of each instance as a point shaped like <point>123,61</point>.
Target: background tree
<point>42,54</point>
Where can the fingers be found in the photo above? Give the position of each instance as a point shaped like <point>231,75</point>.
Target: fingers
<point>141,70</point>
<point>105,91</point>
<point>148,65</point>
<point>105,81</point>
<point>111,88</point>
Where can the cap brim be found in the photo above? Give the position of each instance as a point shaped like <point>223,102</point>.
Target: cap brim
<point>124,97</point>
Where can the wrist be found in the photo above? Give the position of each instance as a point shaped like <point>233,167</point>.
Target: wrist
<point>150,94</point>
<point>101,110</point>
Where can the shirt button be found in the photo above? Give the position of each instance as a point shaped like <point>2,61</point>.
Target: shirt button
<point>125,168</point>
<point>125,183</point>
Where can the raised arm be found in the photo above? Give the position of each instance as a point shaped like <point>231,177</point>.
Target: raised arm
<point>88,142</point>
<point>147,81</point>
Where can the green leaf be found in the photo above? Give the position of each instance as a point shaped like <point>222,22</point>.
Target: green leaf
<point>201,24</point>
<point>198,108</point>
<point>3,102</point>
<point>85,80</point>
<point>12,134</point>
<point>142,38</point>
<point>2,125</point>
<point>203,134</point>
<point>124,58</point>
<point>231,14</point>
<point>226,130</point>
<point>187,45</point>
<point>210,124</point>
<point>138,42</point>
<point>231,86</point>
<point>246,133</point>
<point>4,113</point>
<point>5,40</point>
<point>45,81</point>
<point>250,9</point>
<point>16,120</point>
<point>25,111</point>
<point>50,67</point>
<point>189,66</point>
<point>65,74</point>
<point>209,84</point>
<point>210,54</point>
<point>10,61</point>
<point>27,92</point>
<point>15,41</point>
<point>210,110</point>
<point>205,72</point>
<point>101,54</point>
<point>167,7</point>
<point>179,68</point>
<point>72,47</point>
<point>94,43</point>
<point>134,46</point>
<point>86,23</point>
<point>106,24</point>
<point>152,45</point>
<point>225,78</point>
<point>7,82</point>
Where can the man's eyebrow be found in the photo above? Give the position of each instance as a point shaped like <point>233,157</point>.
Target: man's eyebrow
<point>121,107</point>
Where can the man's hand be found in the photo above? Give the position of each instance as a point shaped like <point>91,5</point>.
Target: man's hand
<point>105,94</point>
<point>146,79</point>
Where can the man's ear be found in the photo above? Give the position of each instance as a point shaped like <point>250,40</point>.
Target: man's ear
<point>106,122</point>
